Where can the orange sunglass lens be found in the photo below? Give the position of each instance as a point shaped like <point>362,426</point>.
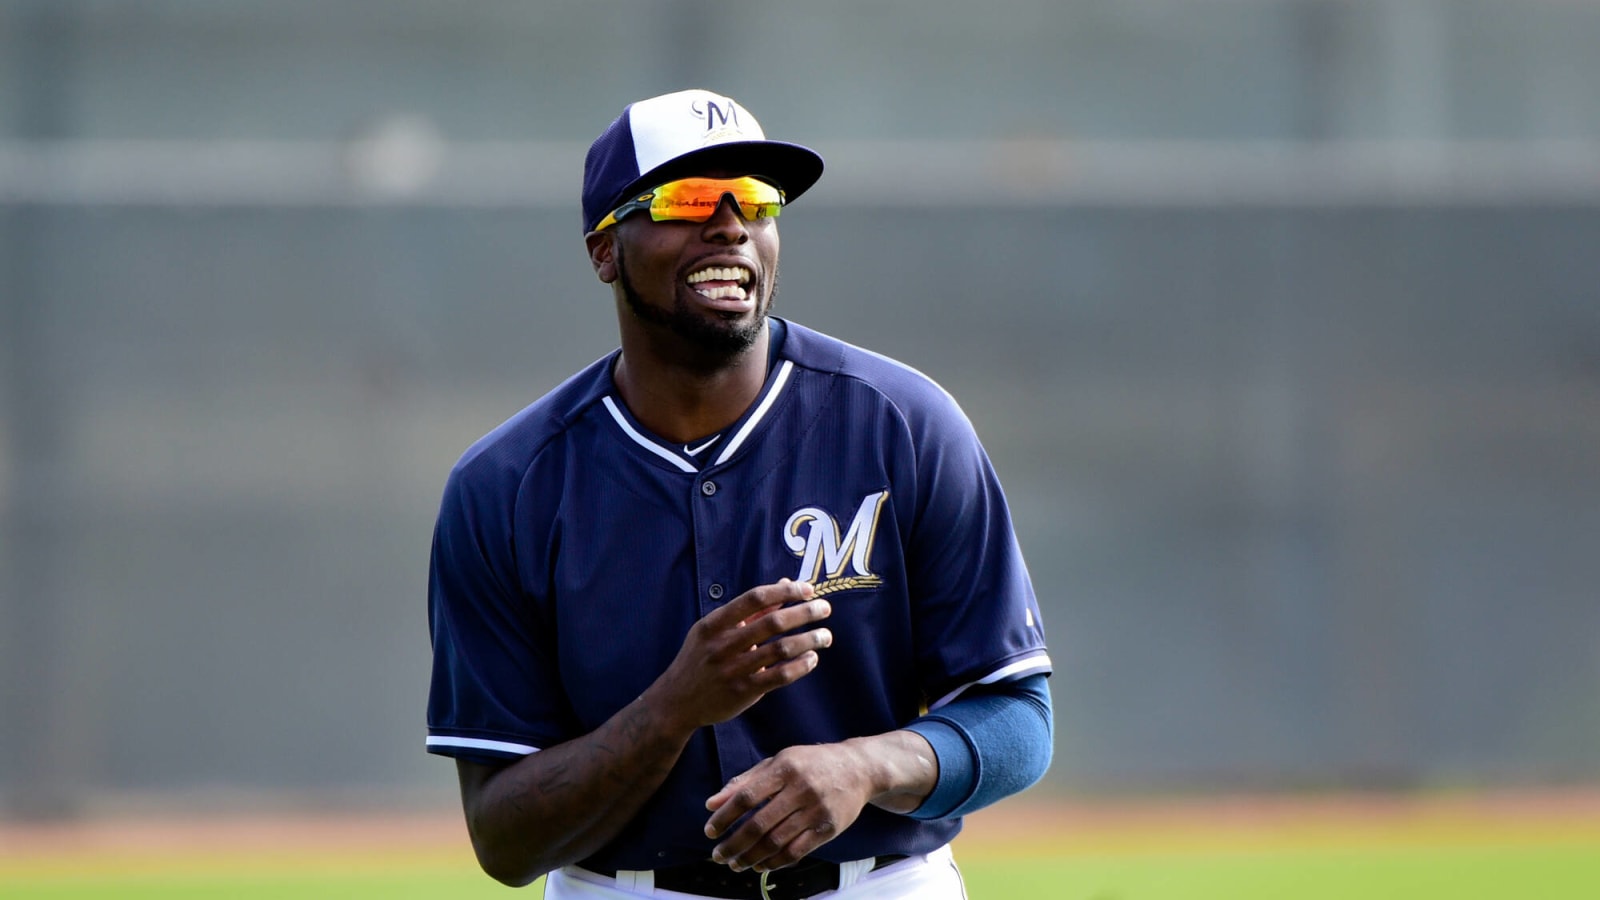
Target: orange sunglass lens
<point>697,199</point>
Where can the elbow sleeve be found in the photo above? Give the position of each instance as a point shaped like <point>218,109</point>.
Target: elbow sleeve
<point>990,744</point>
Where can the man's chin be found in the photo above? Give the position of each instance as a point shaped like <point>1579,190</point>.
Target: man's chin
<point>715,336</point>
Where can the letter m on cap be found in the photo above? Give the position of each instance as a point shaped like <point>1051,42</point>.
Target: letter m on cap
<point>723,114</point>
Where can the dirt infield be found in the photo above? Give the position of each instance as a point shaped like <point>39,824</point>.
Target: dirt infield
<point>1021,827</point>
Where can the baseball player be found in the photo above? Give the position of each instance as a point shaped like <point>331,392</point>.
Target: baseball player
<point>737,610</point>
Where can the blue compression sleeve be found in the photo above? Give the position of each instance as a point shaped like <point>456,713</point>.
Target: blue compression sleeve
<point>990,742</point>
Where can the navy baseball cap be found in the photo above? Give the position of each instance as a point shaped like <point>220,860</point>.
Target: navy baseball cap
<point>681,134</point>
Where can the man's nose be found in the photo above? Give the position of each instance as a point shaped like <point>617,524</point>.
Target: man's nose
<point>727,223</point>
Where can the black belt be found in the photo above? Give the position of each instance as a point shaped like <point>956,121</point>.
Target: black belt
<point>709,879</point>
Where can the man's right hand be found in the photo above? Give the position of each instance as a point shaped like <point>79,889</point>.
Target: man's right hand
<point>566,801</point>
<point>734,655</point>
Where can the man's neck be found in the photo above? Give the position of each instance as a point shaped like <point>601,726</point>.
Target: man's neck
<point>682,402</point>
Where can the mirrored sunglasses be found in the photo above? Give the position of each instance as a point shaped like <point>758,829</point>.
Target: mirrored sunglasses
<point>697,199</point>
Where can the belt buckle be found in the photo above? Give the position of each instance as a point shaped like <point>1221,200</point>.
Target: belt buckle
<point>766,886</point>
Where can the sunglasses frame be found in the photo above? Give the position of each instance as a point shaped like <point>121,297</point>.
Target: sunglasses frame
<point>644,202</point>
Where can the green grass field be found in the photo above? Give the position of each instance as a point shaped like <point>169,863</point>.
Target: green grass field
<point>1549,873</point>
<point>1194,857</point>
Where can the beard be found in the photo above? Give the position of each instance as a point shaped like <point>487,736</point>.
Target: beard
<point>714,340</point>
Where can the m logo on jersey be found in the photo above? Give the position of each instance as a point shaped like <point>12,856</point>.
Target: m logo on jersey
<point>830,560</point>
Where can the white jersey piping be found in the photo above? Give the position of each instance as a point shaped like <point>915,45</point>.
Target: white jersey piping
<point>1039,662</point>
<point>466,743</point>
<point>759,414</point>
<point>641,440</point>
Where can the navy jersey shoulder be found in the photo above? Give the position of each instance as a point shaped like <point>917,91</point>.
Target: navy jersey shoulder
<point>510,448</point>
<point>916,397</point>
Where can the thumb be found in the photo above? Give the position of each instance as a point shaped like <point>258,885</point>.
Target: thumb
<point>715,801</point>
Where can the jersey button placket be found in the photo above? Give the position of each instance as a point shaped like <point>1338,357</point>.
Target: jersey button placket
<point>714,591</point>
<point>717,525</point>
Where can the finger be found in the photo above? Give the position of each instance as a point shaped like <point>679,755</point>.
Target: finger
<point>804,842</point>
<point>715,801</point>
<point>777,652</point>
<point>744,621</point>
<point>766,598</point>
<point>790,618</point>
<point>785,844</point>
<point>784,674</point>
<point>761,670</point>
<point>775,837</point>
<point>738,797</point>
<point>756,839</point>
<point>744,636</point>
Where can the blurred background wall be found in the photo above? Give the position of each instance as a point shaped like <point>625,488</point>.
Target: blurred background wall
<point>1280,320</point>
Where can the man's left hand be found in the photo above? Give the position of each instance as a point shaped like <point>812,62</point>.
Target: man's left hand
<point>801,799</point>
<point>807,795</point>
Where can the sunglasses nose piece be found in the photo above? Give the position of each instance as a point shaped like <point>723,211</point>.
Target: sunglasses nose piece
<point>730,202</point>
<point>728,219</point>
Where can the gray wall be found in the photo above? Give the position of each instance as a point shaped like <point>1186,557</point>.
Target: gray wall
<point>1305,457</point>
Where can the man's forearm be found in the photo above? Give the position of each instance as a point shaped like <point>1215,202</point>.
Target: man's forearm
<point>906,768</point>
<point>991,742</point>
<point>561,804</point>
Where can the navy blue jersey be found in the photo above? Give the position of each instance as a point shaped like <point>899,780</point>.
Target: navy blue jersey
<point>574,550</point>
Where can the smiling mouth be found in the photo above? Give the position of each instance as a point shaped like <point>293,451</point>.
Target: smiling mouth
<point>720,282</point>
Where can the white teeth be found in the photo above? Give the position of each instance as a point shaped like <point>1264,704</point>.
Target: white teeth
<point>719,293</point>
<point>737,274</point>
<point>724,273</point>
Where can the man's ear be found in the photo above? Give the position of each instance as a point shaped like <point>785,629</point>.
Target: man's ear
<point>603,254</point>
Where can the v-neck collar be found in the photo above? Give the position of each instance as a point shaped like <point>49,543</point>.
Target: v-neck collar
<point>729,441</point>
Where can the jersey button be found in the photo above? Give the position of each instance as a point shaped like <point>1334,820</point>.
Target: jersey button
<point>708,487</point>
<point>715,591</point>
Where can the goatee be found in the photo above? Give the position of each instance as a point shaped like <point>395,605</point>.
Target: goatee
<point>715,341</point>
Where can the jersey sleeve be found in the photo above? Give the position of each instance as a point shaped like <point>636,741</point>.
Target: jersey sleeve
<point>494,695</point>
<point>977,620</point>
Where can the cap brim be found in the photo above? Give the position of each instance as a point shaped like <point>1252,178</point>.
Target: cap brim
<point>791,166</point>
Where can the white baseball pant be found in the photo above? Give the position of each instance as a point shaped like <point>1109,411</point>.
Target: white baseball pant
<point>930,876</point>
